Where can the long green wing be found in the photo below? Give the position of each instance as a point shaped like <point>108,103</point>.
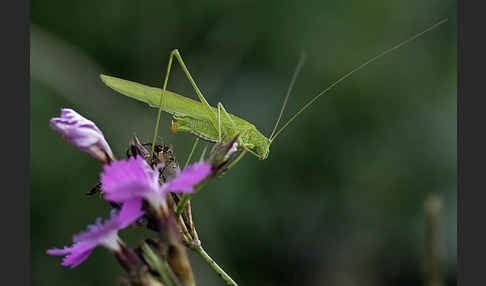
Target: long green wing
<point>173,103</point>
<point>141,92</point>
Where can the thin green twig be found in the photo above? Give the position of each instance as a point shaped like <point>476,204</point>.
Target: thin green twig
<point>182,203</point>
<point>167,276</point>
<point>227,279</point>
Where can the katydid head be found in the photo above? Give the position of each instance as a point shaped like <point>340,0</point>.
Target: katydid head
<point>262,150</point>
<point>260,142</point>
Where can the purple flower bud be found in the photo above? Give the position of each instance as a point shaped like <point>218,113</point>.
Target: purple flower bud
<point>83,134</point>
<point>105,234</point>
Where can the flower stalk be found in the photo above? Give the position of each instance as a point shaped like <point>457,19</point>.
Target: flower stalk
<point>205,256</point>
<point>161,267</point>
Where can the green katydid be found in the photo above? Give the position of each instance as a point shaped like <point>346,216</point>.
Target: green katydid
<point>207,122</point>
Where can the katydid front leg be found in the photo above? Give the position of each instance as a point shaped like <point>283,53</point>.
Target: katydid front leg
<point>235,129</point>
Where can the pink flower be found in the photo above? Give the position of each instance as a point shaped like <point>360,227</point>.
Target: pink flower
<point>105,234</point>
<point>130,179</point>
<point>83,134</point>
<point>187,179</point>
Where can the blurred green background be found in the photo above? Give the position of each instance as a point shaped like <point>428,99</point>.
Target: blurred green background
<point>339,201</point>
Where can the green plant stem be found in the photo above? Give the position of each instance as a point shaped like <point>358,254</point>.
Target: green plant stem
<point>167,276</point>
<point>182,203</point>
<point>185,198</point>
<point>199,250</point>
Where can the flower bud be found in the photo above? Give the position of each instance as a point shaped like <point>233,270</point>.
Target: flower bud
<point>83,134</point>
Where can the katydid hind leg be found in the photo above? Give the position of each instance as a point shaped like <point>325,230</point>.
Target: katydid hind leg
<point>211,114</point>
